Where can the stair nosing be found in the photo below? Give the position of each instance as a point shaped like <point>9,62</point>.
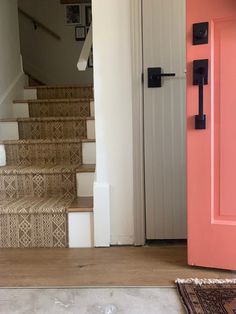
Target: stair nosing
<point>45,119</point>
<point>46,141</point>
<point>46,169</point>
<point>56,100</point>
<point>56,86</point>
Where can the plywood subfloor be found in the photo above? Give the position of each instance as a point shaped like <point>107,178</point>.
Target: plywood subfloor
<point>116,266</point>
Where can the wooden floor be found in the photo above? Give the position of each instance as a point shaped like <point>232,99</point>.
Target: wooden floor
<point>117,266</point>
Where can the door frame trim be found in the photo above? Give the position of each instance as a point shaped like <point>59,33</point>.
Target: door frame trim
<point>138,123</point>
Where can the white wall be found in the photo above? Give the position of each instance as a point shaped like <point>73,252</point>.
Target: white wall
<point>45,58</point>
<point>11,75</point>
<point>113,110</point>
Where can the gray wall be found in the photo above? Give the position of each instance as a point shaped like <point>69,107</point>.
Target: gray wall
<point>11,76</point>
<point>45,58</point>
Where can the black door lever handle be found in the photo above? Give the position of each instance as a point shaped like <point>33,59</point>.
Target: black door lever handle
<point>167,74</point>
<point>155,77</point>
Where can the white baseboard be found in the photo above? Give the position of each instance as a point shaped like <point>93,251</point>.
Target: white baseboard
<point>101,214</point>
<point>122,239</point>
<point>14,91</point>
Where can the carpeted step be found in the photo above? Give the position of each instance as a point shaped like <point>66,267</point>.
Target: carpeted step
<point>59,108</point>
<point>53,128</point>
<point>34,222</point>
<point>54,92</point>
<point>38,181</point>
<point>43,152</point>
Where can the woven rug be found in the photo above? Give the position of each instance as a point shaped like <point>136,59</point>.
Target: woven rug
<point>208,296</point>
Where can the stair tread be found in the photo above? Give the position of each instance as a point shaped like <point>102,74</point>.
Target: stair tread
<point>57,86</point>
<point>35,205</point>
<point>56,100</point>
<point>81,204</point>
<point>47,141</point>
<point>45,119</point>
<point>86,168</point>
<point>45,169</point>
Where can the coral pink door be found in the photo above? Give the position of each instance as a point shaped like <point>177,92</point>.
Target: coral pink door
<point>211,152</point>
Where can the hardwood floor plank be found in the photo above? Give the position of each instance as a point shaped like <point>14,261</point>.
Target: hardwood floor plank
<point>116,266</point>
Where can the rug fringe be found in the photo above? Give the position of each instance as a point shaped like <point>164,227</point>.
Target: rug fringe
<point>205,281</point>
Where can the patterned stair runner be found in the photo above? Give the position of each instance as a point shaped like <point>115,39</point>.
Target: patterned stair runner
<point>38,183</point>
<point>60,108</point>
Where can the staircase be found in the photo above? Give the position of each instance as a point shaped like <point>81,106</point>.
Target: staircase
<point>46,182</point>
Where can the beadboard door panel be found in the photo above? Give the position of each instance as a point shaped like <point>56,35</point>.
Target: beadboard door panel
<point>164,119</point>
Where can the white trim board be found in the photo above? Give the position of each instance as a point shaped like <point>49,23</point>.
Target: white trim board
<point>101,210</point>
<point>138,127</point>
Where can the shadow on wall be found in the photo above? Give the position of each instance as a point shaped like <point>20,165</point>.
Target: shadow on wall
<point>47,58</point>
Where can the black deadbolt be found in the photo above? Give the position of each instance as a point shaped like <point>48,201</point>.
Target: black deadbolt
<point>200,33</point>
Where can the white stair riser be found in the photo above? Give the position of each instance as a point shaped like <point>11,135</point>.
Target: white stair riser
<point>9,131</point>
<point>91,129</point>
<point>80,228</point>
<point>92,113</point>
<point>30,93</point>
<point>84,182</point>
<point>89,153</point>
<point>2,155</point>
<point>21,110</point>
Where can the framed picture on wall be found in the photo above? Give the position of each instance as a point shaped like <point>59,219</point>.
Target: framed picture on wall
<point>80,33</point>
<point>88,15</point>
<point>73,14</point>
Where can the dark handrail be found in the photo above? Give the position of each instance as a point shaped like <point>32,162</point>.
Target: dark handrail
<point>36,23</point>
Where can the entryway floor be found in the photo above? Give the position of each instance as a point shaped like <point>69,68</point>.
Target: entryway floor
<point>91,301</point>
<point>157,265</point>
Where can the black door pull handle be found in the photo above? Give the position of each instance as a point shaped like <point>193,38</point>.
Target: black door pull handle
<point>155,77</point>
<point>200,78</point>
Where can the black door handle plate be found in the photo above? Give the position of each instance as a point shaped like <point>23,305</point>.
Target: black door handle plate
<point>155,77</point>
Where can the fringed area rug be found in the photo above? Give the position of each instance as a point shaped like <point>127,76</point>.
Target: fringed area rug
<point>208,296</point>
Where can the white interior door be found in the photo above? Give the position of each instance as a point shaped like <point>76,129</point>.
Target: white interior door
<point>164,119</point>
